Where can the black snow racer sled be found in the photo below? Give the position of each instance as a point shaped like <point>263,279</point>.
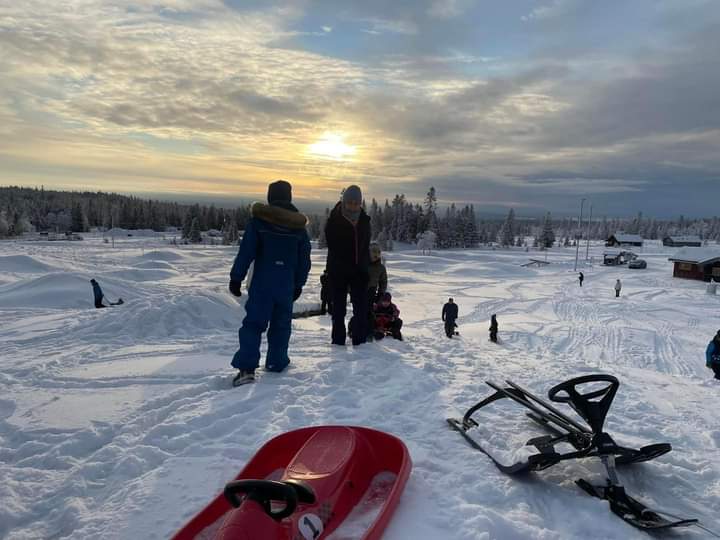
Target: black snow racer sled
<point>586,441</point>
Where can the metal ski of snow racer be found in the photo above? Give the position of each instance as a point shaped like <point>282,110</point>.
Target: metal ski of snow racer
<point>592,441</point>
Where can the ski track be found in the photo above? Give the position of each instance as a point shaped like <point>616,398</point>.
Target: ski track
<point>120,423</point>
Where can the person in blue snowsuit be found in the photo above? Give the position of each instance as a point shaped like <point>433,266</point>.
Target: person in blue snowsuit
<point>712,355</point>
<point>98,294</point>
<point>275,239</point>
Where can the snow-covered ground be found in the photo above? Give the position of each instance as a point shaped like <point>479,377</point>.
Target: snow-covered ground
<point>121,423</point>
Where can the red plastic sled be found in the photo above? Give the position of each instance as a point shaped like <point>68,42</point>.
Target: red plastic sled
<point>307,484</point>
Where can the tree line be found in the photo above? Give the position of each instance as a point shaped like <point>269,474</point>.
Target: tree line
<point>394,220</point>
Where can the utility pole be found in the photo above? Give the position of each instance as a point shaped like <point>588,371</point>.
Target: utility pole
<point>577,240</point>
<point>587,248</point>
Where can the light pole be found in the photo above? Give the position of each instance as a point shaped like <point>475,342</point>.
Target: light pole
<point>587,246</point>
<point>577,240</point>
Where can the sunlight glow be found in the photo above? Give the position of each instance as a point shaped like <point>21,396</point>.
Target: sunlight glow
<point>332,146</point>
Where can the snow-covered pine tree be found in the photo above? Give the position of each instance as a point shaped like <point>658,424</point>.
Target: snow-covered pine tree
<point>426,241</point>
<point>194,235</point>
<point>78,218</point>
<point>430,207</point>
<point>547,235</point>
<point>375,219</point>
<point>507,233</point>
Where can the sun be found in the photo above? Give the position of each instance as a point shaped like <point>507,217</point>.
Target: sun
<point>332,146</point>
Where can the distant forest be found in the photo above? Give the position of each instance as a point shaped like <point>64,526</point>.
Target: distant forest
<point>26,210</point>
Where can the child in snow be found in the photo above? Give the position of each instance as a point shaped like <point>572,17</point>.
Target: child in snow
<point>618,287</point>
<point>347,231</point>
<point>99,296</point>
<point>493,328</point>
<point>581,277</point>
<point>449,316</point>
<point>276,240</point>
<point>387,318</point>
<point>712,355</point>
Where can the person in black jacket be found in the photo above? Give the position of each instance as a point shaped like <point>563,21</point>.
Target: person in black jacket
<point>449,316</point>
<point>493,328</point>
<point>348,239</point>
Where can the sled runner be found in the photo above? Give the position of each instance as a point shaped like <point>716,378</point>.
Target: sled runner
<point>307,483</point>
<point>307,313</point>
<point>585,440</point>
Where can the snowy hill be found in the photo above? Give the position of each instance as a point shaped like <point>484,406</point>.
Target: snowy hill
<point>121,423</point>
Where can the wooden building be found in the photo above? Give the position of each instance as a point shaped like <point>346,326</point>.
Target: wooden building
<point>622,239</point>
<point>682,241</point>
<point>697,263</point>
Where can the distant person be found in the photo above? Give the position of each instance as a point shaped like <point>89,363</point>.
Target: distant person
<point>449,316</point>
<point>347,231</point>
<point>618,288</point>
<point>276,241</point>
<point>493,328</point>
<point>325,299</point>
<point>581,278</point>
<point>712,355</point>
<point>387,318</point>
<point>99,296</point>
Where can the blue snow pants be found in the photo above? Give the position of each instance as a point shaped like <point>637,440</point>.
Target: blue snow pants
<point>263,308</point>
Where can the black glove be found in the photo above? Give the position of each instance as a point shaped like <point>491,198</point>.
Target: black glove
<point>296,293</point>
<point>235,288</point>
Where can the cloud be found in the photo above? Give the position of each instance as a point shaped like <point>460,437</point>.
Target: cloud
<point>204,94</point>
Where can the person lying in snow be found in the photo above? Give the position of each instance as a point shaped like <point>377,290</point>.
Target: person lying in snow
<point>712,355</point>
<point>387,318</point>
<point>98,294</point>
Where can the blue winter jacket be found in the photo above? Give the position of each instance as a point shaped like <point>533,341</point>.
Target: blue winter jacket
<point>97,292</point>
<point>713,349</point>
<point>276,239</point>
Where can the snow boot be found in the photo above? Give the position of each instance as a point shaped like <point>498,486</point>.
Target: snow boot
<point>244,377</point>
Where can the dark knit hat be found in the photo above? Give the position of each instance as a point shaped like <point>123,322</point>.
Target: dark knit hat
<point>386,297</point>
<point>352,193</point>
<point>280,191</point>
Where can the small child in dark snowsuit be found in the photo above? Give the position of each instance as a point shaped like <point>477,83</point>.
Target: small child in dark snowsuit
<point>387,318</point>
<point>581,277</point>
<point>98,294</point>
<point>493,328</point>
<point>449,316</point>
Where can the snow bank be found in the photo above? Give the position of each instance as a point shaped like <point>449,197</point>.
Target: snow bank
<point>167,255</point>
<point>122,423</point>
<point>23,264</point>
<point>57,291</point>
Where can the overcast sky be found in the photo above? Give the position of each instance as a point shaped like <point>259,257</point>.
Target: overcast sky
<point>531,104</point>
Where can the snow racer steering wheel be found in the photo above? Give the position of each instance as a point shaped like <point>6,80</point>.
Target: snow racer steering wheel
<point>593,412</point>
<point>263,492</point>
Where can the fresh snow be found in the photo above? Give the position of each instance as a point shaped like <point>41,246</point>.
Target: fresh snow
<point>121,423</point>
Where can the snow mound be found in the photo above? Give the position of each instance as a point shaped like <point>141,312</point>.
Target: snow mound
<point>143,274</point>
<point>155,265</point>
<point>166,255</point>
<point>23,263</point>
<point>177,316</point>
<point>58,290</point>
